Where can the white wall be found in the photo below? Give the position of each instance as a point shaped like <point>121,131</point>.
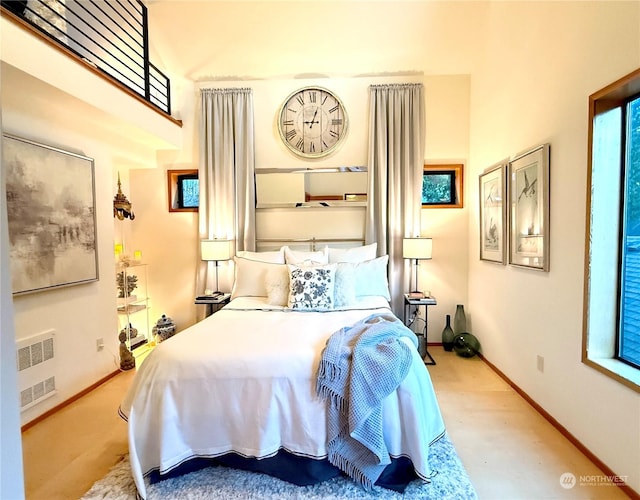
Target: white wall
<point>541,61</point>
<point>168,240</point>
<point>447,141</point>
<point>78,314</point>
<point>169,245</point>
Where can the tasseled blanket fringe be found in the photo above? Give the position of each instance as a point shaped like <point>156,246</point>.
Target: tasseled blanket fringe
<point>328,371</point>
<point>337,401</point>
<point>351,470</point>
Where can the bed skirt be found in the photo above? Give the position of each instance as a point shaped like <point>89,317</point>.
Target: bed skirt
<point>302,471</point>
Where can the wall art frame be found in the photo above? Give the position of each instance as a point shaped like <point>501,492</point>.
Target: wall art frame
<point>529,202</point>
<point>51,213</point>
<point>493,213</point>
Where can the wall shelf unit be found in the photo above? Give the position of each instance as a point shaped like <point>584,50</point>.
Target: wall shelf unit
<point>133,303</point>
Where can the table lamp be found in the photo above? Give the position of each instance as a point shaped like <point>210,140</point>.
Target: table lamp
<point>418,249</point>
<point>215,250</point>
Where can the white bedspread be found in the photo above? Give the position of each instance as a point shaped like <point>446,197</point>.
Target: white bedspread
<point>243,380</point>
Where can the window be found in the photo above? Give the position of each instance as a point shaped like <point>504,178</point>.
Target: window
<point>184,190</point>
<point>629,303</point>
<point>442,186</point>
<point>188,191</point>
<point>611,330</point>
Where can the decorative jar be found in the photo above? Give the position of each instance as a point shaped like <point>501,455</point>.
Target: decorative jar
<point>164,328</point>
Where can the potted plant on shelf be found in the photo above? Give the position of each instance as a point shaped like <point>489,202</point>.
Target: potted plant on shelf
<point>125,289</point>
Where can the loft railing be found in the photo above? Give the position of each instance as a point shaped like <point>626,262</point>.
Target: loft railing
<point>110,35</point>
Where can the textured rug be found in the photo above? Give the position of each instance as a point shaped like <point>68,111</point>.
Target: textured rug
<point>220,483</point>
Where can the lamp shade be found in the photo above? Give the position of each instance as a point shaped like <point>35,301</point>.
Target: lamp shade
<point>417,248</point>
<point>215,250</point>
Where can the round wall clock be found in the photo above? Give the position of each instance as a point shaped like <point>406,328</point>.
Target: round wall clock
<point>313,122</point>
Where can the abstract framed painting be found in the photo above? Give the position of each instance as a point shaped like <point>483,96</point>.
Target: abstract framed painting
<point>529,208</point>
<point>493,213</point>
<point>51,216</point>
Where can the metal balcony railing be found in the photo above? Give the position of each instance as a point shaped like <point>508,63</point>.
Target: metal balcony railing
<point>110,35</point>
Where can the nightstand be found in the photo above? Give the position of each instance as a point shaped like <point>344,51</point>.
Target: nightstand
<point>214,302</point>
<point>417,302</point>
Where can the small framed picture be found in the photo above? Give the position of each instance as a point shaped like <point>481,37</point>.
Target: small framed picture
<point>493,213</point>
<point>529,209</point>
<point>442,186</point>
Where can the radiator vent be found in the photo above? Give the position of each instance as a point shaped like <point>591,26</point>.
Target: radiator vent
<point>33,395</point>
<point>36,362</point>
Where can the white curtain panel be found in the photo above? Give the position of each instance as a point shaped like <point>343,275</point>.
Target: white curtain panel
<point>396,159</point>
<point>226,173</point>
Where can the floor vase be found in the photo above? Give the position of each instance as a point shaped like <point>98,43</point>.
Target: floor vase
<point>459,320</point>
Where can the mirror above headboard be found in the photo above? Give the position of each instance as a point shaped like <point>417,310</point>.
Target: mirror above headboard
<point>340,186</point>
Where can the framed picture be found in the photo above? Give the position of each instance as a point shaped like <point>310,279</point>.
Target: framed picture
<point>493,213</point>
<point>442,186</point>
<point>51,216</point>
<point>529,209</point>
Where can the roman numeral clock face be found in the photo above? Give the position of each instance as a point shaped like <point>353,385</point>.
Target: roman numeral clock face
<point>312,122</point>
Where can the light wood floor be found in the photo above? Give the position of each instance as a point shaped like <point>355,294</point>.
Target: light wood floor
<point>508,449</point>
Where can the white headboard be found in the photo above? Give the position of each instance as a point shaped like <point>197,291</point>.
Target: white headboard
<point>311,244</point>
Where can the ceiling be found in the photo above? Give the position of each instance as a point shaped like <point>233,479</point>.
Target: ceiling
<point>214,40</point>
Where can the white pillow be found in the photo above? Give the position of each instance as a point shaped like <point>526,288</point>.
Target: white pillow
<point>311,287</point>
<point>276,257</point>
<point>277,285</point>
<point>250,277</point>
<point>356,254</point>
<point>344,292</point>
<point>371,277</point>
<point>305,257</point>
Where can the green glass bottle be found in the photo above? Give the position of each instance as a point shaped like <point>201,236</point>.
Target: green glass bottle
<point>466,345</point>
<point>447,335</point>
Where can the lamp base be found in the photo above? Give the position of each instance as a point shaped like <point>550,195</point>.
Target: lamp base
<point>416,295</point>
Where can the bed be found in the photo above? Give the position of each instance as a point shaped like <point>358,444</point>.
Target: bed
<point>239,387</point>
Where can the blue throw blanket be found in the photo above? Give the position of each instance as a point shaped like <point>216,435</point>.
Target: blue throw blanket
<point>360,366</point>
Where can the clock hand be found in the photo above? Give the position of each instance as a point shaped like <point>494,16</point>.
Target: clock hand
<point>313,119</point>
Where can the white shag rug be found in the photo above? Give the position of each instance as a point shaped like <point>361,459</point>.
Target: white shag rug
<point>221,483</point>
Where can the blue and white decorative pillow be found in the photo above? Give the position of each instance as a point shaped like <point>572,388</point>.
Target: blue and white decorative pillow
<point>311,287</point>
